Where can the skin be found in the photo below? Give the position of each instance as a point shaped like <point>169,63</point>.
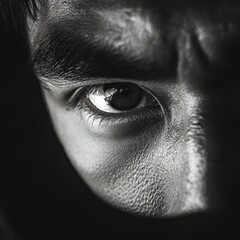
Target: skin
<point>155,164</point>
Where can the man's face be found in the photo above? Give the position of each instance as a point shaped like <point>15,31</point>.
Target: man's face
<point>129,85</point>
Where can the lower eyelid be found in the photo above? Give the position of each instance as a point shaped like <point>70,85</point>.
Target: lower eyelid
<point>134,117</point>
<point>146,122</point>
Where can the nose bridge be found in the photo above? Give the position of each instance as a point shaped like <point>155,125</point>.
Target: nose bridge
<point>212,140</point>
<point>205,146</point>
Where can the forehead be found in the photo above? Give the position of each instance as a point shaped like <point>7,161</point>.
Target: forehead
<point>143,13</point>
<point>64,7</point>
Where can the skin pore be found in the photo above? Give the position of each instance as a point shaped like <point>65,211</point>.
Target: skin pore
<point>125,85</point>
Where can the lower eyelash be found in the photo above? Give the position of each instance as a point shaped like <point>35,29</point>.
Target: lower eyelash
<point>121,118</point>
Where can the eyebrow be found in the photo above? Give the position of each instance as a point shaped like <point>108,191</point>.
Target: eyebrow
<point>61,53</point>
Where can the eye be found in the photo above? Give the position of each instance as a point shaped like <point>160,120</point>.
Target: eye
<point>115,105</point>
<point>119,97</point>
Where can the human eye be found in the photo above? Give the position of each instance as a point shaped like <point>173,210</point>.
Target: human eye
<point>119,102</point>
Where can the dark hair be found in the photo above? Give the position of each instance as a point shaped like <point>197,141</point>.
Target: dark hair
<point>14,12</point>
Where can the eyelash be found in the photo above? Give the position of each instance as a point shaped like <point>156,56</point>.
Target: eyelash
<point>77,101</point>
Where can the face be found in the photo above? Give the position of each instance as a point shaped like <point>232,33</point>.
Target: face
<point>129,86</point>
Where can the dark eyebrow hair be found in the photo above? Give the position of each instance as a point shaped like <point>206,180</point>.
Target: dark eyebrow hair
<point>61,53</point>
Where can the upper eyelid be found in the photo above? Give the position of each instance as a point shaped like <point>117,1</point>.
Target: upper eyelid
<point>54,83</point>
<point>62,84</point>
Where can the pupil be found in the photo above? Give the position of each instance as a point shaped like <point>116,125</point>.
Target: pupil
<point>123,97</point>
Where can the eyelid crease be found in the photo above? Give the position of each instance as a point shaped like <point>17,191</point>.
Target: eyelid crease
<point>56,83</point>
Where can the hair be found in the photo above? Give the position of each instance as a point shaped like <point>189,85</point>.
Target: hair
<point>13,13</point>
<point>13,26</point>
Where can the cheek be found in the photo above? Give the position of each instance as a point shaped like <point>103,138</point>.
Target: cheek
<point>138,172</point>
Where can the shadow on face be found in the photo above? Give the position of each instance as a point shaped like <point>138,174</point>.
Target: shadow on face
<point>144,98</point>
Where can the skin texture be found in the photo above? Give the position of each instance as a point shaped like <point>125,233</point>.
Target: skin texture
<point>155,163</point>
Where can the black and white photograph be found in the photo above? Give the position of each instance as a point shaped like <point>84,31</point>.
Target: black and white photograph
<point>118,117</point>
